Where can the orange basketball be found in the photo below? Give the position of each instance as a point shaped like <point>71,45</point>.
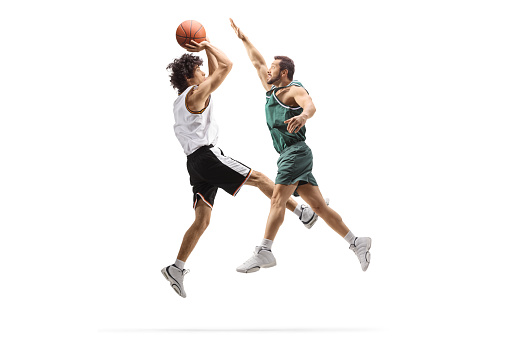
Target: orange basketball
<point>190,30</point>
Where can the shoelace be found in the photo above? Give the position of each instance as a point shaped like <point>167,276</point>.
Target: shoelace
<point>184,272</point>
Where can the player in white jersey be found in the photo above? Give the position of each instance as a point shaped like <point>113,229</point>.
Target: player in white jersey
<point>207,165</point>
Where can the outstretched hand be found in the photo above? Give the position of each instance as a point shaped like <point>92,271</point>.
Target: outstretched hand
<point>237,30</point>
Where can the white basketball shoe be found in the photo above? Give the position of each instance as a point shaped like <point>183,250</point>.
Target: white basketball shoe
<point>308,216</point>
<point>261,258</point>
<point>361,248</point>
<point>176,276</point>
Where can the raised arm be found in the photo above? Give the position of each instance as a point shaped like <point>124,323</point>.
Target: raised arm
<point>212,62</point>
<point>216,78</point>
<point>255,56</point>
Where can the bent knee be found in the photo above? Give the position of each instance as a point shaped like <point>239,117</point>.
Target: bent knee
<point>256,178</point>
<point>201,224</point>
<point>321,208</point>
<point>255,175</point>
<point>277,201</point>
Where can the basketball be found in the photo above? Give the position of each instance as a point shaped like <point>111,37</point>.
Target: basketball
<point>190,30</point>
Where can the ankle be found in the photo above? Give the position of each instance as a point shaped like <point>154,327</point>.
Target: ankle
<point>350,237</point>
<point>266,244</point>
<point>180,264</point>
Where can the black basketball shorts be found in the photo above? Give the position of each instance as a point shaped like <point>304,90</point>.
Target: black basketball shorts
<point>209,169</point>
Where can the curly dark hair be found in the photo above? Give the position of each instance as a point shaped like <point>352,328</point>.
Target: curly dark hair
<point>182,69</point>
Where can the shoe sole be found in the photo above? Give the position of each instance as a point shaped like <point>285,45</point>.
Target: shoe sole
<point>314,218</point>
<point>174,284</point>
<point>257,268</point>
<point>368,255</point>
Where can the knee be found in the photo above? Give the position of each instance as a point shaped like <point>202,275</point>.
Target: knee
<point>321,209</point>
<point>256,178</point>
<point>277,201</point>
<point>317,208</point>
<point>200,225</point>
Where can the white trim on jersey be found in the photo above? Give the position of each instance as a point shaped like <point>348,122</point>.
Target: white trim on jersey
<point>287,107</point>
<point>271,90</point>
<point>279,102</point>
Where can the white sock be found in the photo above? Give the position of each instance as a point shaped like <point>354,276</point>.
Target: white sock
<point>350,238</point>
<point>298,210</point>
<point>266,244</point>
<point>180,264</point>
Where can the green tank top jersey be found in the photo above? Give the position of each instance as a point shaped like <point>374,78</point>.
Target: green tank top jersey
<point>276,114</point>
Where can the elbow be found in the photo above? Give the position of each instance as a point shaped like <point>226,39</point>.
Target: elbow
<point>227,65</point>
<point>310,108</point>
<point>309,111</point>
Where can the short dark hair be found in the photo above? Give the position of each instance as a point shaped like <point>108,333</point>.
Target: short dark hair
<point>182,69</point>
<point>286,63</point>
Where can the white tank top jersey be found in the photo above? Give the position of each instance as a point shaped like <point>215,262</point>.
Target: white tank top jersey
<point>194,129</point>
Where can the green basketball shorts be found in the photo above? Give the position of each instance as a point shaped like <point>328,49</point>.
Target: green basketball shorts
<point>295,164</point>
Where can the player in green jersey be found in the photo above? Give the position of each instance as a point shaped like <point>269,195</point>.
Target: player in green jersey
<point>288,107</point>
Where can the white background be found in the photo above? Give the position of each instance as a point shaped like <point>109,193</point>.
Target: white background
<point>410,143</point>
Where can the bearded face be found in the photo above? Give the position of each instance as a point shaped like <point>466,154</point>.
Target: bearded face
<point>272,78</point>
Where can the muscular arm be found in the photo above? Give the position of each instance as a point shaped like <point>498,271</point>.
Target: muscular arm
<point>254,55</point>
<point>302,98</point>
<point>212,61</point>
<point>216,78</point>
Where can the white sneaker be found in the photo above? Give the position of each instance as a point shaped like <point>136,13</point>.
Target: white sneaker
<point>261,258</point>
<point>361,248</point>
<point>176,276</point>
<point>308,216</point>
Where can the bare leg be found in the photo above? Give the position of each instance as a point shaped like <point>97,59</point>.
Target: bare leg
<point>277,209</point>
<point>202,219</point>
<point>312,195</point>
<point>266,185</point>
<point>263,257</point>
